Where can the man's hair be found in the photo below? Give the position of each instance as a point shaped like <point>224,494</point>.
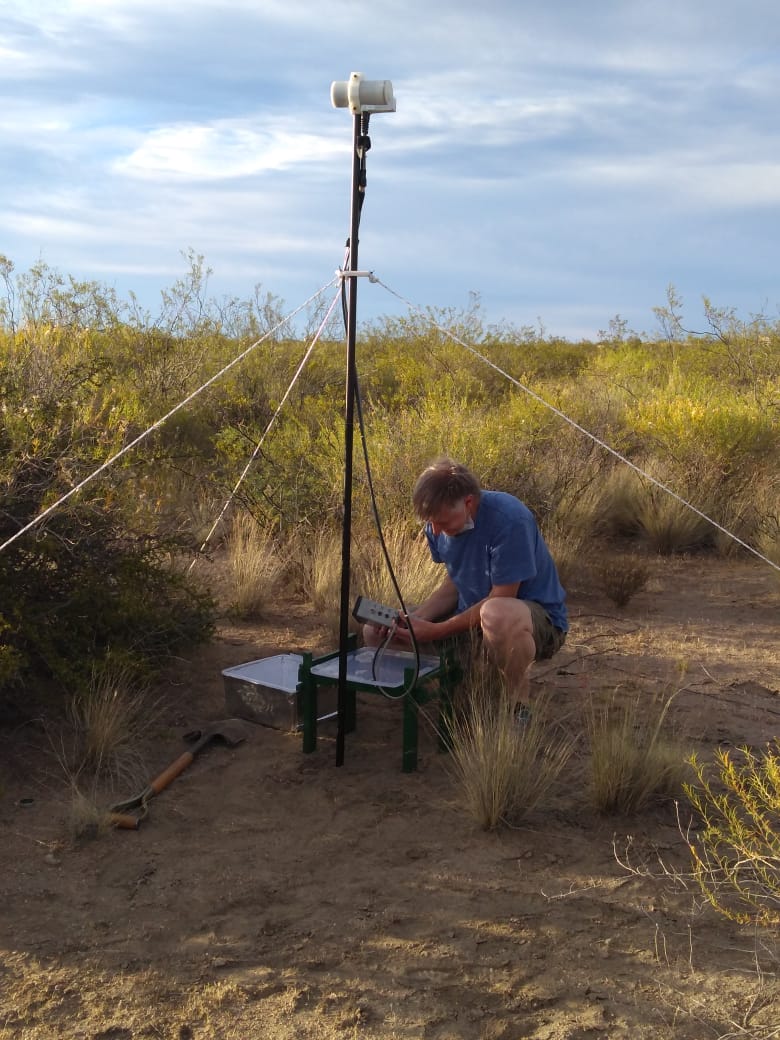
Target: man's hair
<point>443,483</point>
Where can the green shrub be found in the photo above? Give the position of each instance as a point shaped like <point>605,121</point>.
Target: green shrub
<point>80,590</point>
<point>736,853</point>
<point>712,425</point>
<point>90,580</point>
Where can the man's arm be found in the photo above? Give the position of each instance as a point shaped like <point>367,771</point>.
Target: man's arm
<point>440,604</point>
<point>427,630</point>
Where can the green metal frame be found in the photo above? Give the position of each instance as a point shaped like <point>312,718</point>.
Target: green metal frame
<point>444,677</point>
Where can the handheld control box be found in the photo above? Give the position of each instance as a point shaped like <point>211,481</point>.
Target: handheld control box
<point>370,612</point>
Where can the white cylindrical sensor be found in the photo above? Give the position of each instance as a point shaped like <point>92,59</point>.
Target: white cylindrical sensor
<point>363,95</point>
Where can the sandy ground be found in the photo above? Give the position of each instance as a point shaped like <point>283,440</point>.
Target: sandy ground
<point>272,894</point>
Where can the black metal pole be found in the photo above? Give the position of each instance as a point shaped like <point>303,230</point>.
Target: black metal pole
<point>349,435</point>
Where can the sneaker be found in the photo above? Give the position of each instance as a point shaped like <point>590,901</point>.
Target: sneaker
<point>522,716</point>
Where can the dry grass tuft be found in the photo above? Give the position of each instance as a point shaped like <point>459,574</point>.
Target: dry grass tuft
<point>669,525</point>
<point>633,760</point>
<point>320,556</point>
<point>769,538</point>
<point>256,566</point>
<point>108,720</point>
<point>416,573</point>
<point>86,820</point>
<point>570,529</point>
<point>567,549</point>
<point>620,578</point>
<point>320,560</point>
<point>637,507</point>
<point>503,770</point>
<point>102,750</point>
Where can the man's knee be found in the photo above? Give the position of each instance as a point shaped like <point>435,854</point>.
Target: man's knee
<point>508,629</point>
<point>502,618</point>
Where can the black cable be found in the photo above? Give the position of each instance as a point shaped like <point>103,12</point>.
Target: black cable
<point>363,145</point>
<point>386,554</point>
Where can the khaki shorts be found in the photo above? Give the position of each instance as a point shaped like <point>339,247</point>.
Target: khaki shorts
<point>547,637</point>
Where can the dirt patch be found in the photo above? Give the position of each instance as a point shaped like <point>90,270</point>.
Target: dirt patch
<point>272,894</point>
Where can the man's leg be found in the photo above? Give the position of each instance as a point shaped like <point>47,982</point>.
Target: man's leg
<point>508,630</point>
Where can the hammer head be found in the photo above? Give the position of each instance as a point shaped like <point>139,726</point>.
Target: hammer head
<point>226,731</point>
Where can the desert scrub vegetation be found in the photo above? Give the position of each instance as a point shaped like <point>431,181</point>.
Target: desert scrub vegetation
<point>622,576</point>
<point>84,374</point>
<point>257,565</point>
<point>318,556</point>
<point>634,759</point>
<point>416,574</point>
<point>502,770</point>
<point>108,717</point>
<point>735,847</point>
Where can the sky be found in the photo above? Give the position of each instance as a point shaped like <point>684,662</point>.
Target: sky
<point>566,161</point>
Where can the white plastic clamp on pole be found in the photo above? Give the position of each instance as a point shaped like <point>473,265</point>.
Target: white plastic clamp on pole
<point>341,273</point>
<point>363,95</point>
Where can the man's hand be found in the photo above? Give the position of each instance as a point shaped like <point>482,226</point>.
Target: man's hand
<point>424,631</point>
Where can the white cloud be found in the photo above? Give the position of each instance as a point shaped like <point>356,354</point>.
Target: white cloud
<point>447,107</point>
<point>224,150</point>
<point>695,182</point>
<point>56,20</point>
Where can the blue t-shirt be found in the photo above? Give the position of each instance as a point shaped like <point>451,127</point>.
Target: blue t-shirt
<point>504,546</point>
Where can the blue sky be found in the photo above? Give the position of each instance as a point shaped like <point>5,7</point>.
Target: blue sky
<point>565,160</point>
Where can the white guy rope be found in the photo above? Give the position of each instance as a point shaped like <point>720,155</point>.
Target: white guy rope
<point>274,417</point>
<point>576,425</point>
<point>155,426</point>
